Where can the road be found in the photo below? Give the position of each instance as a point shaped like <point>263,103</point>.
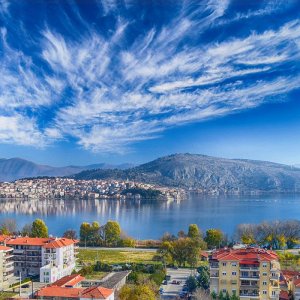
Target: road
<point>121,249</point>
<point>171,291</point>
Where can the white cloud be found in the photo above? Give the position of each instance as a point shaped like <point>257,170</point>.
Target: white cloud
<point>108,93</point>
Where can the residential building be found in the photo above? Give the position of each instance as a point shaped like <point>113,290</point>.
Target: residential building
<point>49,258</point>
<point>6,266</point>
<point>250,273</point>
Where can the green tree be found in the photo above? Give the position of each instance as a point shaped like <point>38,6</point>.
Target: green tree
<point>194,232</point>
<point>191,283</point>
<point>39,229</point>
<point>112,233</point>
<point>165,251</point>
<point>214,295</point>
<point>213,238</point>
<point>84,233</point>
<point>203,278</point>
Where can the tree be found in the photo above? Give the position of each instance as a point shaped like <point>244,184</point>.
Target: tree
<point>39,229</point>
<point>194,232</point>
<point>203,278</point>
<point>191,283</point>
<point>165,251</point>
<point>26,230</point>
<point>84,233</point>
<point>137,292</point>
<point>8,226</point>
<point>213,238</point>
<point>202,295</point>
<point>112,233</point>
<point>70,234</point>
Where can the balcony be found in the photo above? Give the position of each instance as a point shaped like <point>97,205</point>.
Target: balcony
<point>249,268</point>
<point>249,277</point>
<point>214,275</point>
<point>18,251</point>
<point>214,266</point>
<point>250,284</point>
<point>251,293</point>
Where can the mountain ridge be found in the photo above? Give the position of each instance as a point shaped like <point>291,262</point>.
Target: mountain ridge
<point>208,174</point>
<point>16,168</point>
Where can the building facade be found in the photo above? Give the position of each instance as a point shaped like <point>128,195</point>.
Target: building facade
<point>49,258</point>
<point>250,273</point>
<point>6,266</point>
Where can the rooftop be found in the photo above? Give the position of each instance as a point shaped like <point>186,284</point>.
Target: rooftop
<point>43,242</point>
<point>70,280</point>
<point>96,292</point>
<point>244,256</point>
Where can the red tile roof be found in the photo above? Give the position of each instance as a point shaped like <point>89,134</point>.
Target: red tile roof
<point>57,291</point>
<point>246,255</point>
<point>4,248</point>
<point>97,292</point>
<point>64,292</point>
<point>284,295</point>
<point>70,280</point>
<point>43,242</point>
<point>3,238</point>
<point>58,243</point>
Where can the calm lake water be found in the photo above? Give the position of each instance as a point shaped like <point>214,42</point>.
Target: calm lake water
<point>151,219</point>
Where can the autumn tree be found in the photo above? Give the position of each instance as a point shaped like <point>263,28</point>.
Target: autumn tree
<point>137,292</point>
<point>8,226</point>
<point>213,238</point>
<point>70,234</point>
<point>112,233</point>
<point>39,229</point>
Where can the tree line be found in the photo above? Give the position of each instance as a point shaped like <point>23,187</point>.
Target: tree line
<point>109,235</point>
<point>274,234</point>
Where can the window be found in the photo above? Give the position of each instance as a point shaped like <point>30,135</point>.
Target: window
<point>233,273</point>
<point>233,292</point>
<point>233,264</point>
<point>264,265</point>
<point>264,292</point>
<point>224,264</point>
<point>265,274</point>
<point>273,293</point>
<point>224,273</point>
<point>224,290</point>
<point>264,283</point>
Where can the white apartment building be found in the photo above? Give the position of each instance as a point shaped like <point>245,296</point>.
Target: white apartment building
<point>6,266</point>
<point>49,258</point>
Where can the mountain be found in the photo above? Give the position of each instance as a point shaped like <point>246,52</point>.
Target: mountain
<point>16,168</point>
<point>208,174</point>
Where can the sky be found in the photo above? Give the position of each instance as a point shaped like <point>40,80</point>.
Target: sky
<point>128,81</point>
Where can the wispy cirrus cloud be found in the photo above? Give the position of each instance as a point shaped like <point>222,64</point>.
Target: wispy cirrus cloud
<point>110,88</point>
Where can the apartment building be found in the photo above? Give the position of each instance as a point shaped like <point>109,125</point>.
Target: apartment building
<point>49,258</point>
<point>250,273</point>
<point>6,266</point>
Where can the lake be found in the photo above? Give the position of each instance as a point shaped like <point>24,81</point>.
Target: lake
<point>150,219</point>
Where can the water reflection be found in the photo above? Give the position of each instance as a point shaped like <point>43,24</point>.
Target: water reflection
<point>150,219</point>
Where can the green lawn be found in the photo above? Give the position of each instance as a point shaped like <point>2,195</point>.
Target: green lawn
<point>6,295</point>
<point>114,256</point>
<point>96,275</point>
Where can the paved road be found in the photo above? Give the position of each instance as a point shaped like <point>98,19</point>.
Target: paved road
<point>171,291</point>
<point>121,249</point>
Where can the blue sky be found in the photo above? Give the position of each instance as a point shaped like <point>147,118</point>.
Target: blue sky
<point>128,81</point>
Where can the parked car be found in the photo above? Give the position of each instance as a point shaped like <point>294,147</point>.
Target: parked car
<point>165,282</point>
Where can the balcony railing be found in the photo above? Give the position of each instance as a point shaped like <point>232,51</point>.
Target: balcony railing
<point>250,277</point>
<point>214,266</point>
<point>249,295</point>
<point>249,268</point>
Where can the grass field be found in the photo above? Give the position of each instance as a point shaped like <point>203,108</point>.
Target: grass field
<point>6,295</point>
<point>114,256</point>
